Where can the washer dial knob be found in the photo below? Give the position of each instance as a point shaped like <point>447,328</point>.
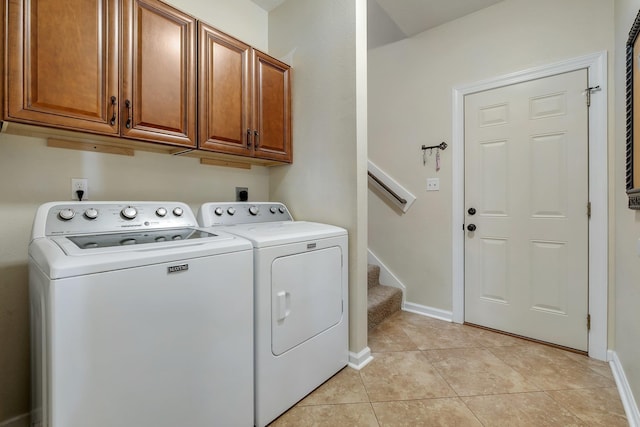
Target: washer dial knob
<point>161,212</point>
<point>253,210</point>
<point>178,211</point>
<point>231,211</point>
<point>273,209</point>
<point>91,213</point>
<point>282,209</point>
<point>218,211</point>
<point>129,212</point>
<point>66,214</point>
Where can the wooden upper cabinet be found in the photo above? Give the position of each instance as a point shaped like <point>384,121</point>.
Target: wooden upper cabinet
<point>272,109</point>
<point>62,64</point>
<point>224,93</point>
<point>244,104</point>
<point>159,73</point>
<point>143,70</point>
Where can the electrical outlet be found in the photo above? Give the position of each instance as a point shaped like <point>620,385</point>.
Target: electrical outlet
<point>433,184</point>
<point>242,194</point>
<point>79,184</point>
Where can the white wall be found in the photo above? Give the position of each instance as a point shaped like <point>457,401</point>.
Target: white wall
<point>410,104</point>
<point>627,222</point>
<point>31,174</point>
<point>325,183</point>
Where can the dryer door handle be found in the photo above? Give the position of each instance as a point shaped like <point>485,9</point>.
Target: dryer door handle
<point>284,305</point>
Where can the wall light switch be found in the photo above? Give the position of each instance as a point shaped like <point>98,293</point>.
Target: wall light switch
<point>433,184</point>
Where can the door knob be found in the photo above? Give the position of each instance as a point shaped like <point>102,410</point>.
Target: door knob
<point>471,227</point>
<point>472,211</point>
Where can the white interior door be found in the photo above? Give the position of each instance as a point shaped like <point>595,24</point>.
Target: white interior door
<point>526,177</point>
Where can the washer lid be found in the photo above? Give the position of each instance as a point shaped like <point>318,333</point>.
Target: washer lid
<point>107,240</point>
<point>59,257</point>
<point>283,232</point>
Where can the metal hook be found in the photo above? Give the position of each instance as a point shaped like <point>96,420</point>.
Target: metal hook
<point>441,146</point>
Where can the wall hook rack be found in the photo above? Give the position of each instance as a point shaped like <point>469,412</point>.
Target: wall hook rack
<point>441,146</point>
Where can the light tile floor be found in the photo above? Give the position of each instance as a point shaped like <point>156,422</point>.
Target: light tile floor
<point>428,372</point>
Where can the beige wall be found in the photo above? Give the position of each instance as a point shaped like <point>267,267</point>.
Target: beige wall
<point>31,174</point>
<point>242,19</point>
<point>410,104</point>
<point>627,222</point>
<point>325,182</point>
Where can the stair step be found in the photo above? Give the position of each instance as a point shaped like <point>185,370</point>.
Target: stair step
<point>373,275</point>
<point>382,301</point>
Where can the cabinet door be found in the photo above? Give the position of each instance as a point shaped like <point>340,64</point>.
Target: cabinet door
<point>225,93</point>
<point>272,109</point>
<point>62,63</point>
<point>159,73</point>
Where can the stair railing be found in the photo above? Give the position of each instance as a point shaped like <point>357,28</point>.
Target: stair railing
<point>389,188</point>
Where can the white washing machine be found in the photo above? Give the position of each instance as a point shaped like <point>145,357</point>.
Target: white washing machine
<point>139,318</point>
<point>301,300</point>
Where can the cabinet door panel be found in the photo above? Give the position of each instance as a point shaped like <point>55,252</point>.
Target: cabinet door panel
<point>225,92</point>
<point>159,79</point>
<point>272,109</point>
<point>62,63</point>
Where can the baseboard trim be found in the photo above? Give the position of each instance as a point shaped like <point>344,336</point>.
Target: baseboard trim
<point>436,313</point>
<point>359,360</point>
<point>19,421</point>
<point>626,395</point>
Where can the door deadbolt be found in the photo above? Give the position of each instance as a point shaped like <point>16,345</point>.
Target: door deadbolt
<point>472,211</point>
<point>471,227</point>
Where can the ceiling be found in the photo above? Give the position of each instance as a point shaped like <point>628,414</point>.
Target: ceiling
<point>392,20</point>
<point>268,5</point>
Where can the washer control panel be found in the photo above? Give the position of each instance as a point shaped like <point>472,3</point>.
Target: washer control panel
<point>211,214</point>
<point>104,217</point>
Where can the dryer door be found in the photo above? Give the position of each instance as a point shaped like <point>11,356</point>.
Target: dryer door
<point>306,296</point>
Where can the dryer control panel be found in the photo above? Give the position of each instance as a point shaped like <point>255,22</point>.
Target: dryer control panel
<point>231,213</point>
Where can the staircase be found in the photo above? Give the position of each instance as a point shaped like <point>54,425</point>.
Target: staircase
<point>383,301</point>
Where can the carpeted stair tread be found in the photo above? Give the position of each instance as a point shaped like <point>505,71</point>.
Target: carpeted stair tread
<point>373,275</point>
<point>382,300</point>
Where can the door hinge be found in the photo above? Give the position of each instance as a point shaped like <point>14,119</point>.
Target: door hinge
<point>588,209</point>
<point>588,322</point>
<point>588,93</point>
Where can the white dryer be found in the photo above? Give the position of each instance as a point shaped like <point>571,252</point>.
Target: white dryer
<point>301,300</point>
<point>139,318</point>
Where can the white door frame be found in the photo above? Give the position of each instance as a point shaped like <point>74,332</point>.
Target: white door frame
<point>598,187</point>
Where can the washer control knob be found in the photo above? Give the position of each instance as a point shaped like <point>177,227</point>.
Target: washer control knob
<point>91,213</point>
<point>282,209</point>
<point>218,211</point>
<point>178,211</point>
<point>66,214</point>
<point>273,209</point>
<point>161,212</point>
<point>231,211</point>
<point>253,210</point>
<point>129,212</point>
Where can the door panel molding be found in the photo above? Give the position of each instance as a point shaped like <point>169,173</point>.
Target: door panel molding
<point>596,64</point>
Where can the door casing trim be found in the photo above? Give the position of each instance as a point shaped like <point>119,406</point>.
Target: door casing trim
<point>596,64</point>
